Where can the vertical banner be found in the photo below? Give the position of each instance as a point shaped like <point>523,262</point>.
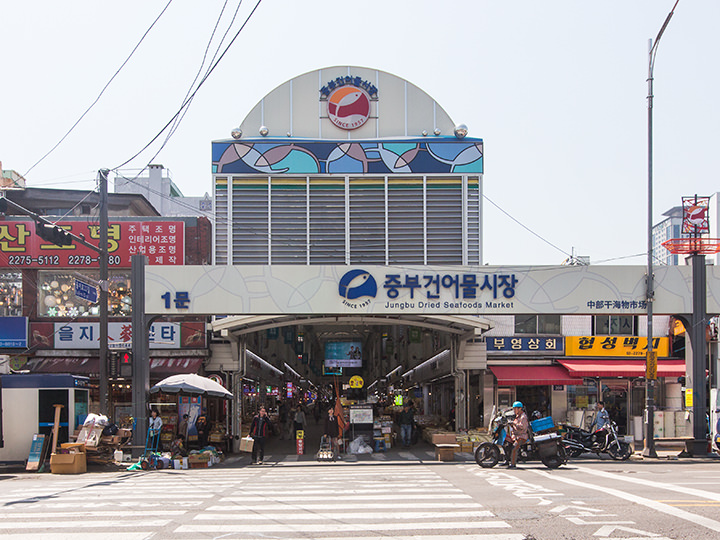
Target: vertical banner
<point>192,407</point>
<point>651,365</point>
<point>695,215</point>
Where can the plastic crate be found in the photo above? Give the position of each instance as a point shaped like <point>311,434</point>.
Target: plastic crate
<point>542,424</point>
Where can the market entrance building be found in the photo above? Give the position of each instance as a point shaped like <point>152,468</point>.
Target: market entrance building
<point>350,165</point>
<point>349,216</point>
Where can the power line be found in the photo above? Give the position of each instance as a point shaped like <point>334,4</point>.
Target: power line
<point>187,101</point>
<point>548,242</point>
<point>102,91</point>
<point>178,120</point>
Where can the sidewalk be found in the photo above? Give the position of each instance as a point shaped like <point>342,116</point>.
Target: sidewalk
<point>277,450</point>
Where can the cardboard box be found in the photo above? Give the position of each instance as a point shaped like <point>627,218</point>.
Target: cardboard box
<point>68,463</point>
<point>445,452</point>
<point>466,446</point>
<point>246,444</point>
<point>443,438</point>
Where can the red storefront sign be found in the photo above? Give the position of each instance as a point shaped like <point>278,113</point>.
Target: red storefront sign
<point>163,242</point>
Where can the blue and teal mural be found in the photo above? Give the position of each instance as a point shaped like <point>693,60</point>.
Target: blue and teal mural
<point>411,156</point>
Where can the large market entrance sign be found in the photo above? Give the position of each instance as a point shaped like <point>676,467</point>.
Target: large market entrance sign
<point>420,290</point>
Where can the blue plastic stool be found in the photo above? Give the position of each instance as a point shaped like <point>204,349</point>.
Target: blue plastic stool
<point>379,445</point>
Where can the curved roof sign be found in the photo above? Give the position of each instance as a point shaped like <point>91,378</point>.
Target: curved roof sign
<point>347,102</point>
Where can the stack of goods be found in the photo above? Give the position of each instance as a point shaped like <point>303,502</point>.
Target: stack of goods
<point>102,439</point>
<point>383,429</point>
<point>429,433</point>
<point>205,457</point>
<point>478,436</point>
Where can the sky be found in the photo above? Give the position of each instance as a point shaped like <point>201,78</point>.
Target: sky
<point>556,89</point>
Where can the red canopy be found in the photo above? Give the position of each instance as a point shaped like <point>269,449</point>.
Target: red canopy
<point>668,367</point>
<point>89,366</point>
<point>532,375</point>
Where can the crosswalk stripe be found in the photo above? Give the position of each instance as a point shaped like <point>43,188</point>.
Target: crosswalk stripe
<point>107,504</point>
<point>377,490</point>
<point>359,485</point>
<point>339,497</point>
<point>118,523</point>
<point>348,516</point>
<point>463,536</point>
<point>105,535</point>
<point>93,513</point>
<point>150,495</point>
<point>363,506</point>
<point>313,528</point>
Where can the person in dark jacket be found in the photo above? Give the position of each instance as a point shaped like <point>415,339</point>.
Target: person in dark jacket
<point>260,429</point>
<point>406,421</point>
<point>332,430</point>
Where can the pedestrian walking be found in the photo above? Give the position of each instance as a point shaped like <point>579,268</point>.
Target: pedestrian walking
<point>260,429</point>
<point>406,420</point>
<point>332,430</point>
<point>299,420</point>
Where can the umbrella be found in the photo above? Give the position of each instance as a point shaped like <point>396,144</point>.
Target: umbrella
<point>191,384</point>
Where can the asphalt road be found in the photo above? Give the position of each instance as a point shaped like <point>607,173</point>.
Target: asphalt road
<point>402,495</point>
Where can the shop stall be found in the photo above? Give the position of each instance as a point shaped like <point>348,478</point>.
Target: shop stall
<point>29,408</point>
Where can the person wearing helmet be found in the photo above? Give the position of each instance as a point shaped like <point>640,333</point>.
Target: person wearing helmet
<point>519,433</point>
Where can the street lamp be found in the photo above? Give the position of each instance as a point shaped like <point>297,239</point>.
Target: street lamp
<point>651,362</point>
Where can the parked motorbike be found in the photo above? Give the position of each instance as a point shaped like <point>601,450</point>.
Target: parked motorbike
<point>542,445</point>
<point>579,441</point>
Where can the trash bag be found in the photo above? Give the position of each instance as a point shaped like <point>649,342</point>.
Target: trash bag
<point>359,446</point>
<point>96,419</point>
<point>135,467</point>
<point>110,429</point>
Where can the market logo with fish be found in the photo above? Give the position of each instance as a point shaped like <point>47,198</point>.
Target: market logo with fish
<point>348,107</point>
<point>357,288</point>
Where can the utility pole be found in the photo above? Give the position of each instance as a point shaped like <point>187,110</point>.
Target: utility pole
<point>141,354</point>
<point>649,450</point>
<point>103,256</point>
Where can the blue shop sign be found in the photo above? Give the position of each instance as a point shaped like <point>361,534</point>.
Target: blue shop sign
<point>529,344</point>
<point>14,332</point>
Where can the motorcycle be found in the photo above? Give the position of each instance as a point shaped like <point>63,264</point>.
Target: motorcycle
<point>579,441</point>
<point>541,445</point>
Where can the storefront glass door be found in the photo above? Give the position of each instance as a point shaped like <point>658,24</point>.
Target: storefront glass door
<point>615,396</point>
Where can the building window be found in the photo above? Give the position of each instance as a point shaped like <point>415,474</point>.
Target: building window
<point>537,324</point>
<point>614,325</point>
<point>11,294</point>
<point>581,397</point>
<point>56,296</point>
